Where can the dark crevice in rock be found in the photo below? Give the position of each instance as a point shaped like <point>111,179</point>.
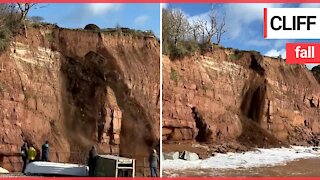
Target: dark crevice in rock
<point>256,66</point>
<point>316,72</point>
<point>204,133</point>
<point>253,102</point>
<point>311,103</point>
<point>257,104</point>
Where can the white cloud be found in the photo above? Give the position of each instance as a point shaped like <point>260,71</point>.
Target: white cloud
<point>239,16</point>
<point>102,8</point>
<point>141,20</point>
<point>164,5</point>
<point>250,12</point>
<point>279,43</point>
<point>258,42</point>
<point>276,53</point>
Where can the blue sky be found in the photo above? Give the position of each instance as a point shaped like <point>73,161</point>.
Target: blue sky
<point>136,16</point>
<point>244,25</point>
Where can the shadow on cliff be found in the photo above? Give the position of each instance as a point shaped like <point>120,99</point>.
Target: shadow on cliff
<point>252,109</point>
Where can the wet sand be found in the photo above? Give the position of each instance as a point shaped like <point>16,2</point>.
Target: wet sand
<point>12,175</point>
<point>301,167</point>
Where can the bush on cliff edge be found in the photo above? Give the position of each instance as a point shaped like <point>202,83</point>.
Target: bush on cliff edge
<point>185,48</point>
<point>9,24</point>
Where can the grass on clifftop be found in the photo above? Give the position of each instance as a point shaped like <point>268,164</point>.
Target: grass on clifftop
<point>12,26</point>
<point>107,31</point>
<point>9,26</point>
<point>184,49</point>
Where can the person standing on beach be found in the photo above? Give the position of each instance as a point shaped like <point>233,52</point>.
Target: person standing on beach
<point>24,155</point>
<point>45,151</point>
<point>153,161</point>
<point>92,160</point>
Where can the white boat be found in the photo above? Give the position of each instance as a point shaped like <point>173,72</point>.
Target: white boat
<point>3,171</point>
<point>56,169</point>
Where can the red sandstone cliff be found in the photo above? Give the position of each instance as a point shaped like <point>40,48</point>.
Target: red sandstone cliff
<point>238,98</point>
<point>77,89</point>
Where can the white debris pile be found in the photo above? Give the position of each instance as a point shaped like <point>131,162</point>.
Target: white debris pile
<point>185,155</point>
<point>259,158</point>
<point>189,156</point>
<point>171,156</point>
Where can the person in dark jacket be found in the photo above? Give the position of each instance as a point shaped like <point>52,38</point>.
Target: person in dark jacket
<point>153,161</point>
<point>24,155</point>
<point>45,151</point>
<point>92,160</point>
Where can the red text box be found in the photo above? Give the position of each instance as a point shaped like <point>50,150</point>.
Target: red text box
<point>303,53</point>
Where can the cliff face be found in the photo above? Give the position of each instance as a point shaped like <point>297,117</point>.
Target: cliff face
<point>227,96</point>
<point>78,89</point>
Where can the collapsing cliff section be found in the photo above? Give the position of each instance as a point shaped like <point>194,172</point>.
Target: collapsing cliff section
<point>78,89</point>
<point>241,97</point>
